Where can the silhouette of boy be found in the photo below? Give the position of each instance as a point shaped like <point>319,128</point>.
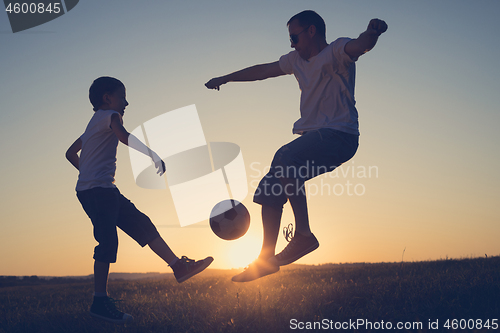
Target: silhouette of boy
<point>105,205</point>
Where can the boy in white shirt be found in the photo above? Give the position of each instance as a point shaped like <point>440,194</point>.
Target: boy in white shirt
<point>105,205</point>
<point>328,129</point>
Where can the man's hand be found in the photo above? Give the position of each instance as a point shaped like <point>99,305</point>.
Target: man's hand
<point>377,26</point>
<point>367,40</point>
<point>215,83</point>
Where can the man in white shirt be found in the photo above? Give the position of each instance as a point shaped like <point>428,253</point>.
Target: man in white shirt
<point>328,129</point>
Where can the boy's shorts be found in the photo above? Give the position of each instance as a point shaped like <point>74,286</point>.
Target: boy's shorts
<point>310,155</point>
<point>108,208</point>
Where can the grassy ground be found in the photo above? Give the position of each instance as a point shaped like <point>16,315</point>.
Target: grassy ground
<point>330,295</point>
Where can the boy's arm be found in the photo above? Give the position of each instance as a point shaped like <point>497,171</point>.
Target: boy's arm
<point>72,153</point>
<point>367,40</point>
<point>253,73</point>
<point>131,141</point>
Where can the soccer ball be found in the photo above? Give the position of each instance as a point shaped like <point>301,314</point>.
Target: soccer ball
<point>229,219</point>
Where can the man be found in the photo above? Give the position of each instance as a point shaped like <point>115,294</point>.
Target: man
<point>328,129</point>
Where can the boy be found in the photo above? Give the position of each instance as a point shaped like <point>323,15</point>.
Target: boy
<point>105,205</point>
<point>328,129</point>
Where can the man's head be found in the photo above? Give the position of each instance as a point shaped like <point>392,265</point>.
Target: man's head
<point>307,30</point>
<point>108,91</point>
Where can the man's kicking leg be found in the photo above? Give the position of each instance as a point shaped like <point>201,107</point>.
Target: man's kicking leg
<point>271,219</point>
<point>303,242</point>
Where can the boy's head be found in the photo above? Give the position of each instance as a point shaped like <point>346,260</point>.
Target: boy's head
<point>102,86</point>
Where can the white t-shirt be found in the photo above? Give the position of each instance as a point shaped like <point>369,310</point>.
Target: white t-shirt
<point>326,82</point>
<point>98,155</point>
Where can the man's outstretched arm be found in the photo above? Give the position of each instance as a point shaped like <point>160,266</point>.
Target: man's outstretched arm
<point>254,73</point>
<point>367,40</point>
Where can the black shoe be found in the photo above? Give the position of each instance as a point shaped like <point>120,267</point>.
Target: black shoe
<point>105,308</point>
<point>185,268</point>
<point>298,247</point>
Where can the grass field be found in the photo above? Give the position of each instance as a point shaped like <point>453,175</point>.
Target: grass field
<point>330,296</point>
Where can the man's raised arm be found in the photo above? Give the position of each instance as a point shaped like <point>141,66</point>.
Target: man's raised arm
<point>367,40</point>
<point>254,73</point>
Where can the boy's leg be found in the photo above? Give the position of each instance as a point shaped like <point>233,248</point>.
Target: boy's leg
<point>183,268</point>
<point>103,307</point>
<point>102,206</point>
<point>139,226</point>
<point>163,251</point>
<point>101,272</point>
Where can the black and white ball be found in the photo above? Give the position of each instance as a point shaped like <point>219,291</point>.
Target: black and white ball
<point>229,219</point>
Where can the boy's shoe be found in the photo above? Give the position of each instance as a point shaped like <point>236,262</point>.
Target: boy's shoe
<point>298,247</point>
<point>185,268</point>
<point>257,269</point>
<point>105,308</point>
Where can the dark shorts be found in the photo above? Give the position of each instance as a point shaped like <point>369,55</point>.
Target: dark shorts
<point>310,155</point>
<point>107,208</point>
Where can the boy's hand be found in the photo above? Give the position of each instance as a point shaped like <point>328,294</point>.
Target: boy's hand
<point>159,164</point>
<point>160,167</point>
<point>377,26</point>
<point>215,83</point>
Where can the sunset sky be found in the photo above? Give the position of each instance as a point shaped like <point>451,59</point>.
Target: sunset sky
<point>424,184</point>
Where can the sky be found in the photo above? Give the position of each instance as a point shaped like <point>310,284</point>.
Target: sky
<point>424,184</point>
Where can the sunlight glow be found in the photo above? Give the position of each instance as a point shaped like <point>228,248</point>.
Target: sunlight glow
<point>244,251</point>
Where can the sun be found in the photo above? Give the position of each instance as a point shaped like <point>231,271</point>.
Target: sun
<point>244,251</point>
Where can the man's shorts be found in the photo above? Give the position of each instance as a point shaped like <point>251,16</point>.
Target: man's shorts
<point>310,155</point>
<point>107,208</point>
